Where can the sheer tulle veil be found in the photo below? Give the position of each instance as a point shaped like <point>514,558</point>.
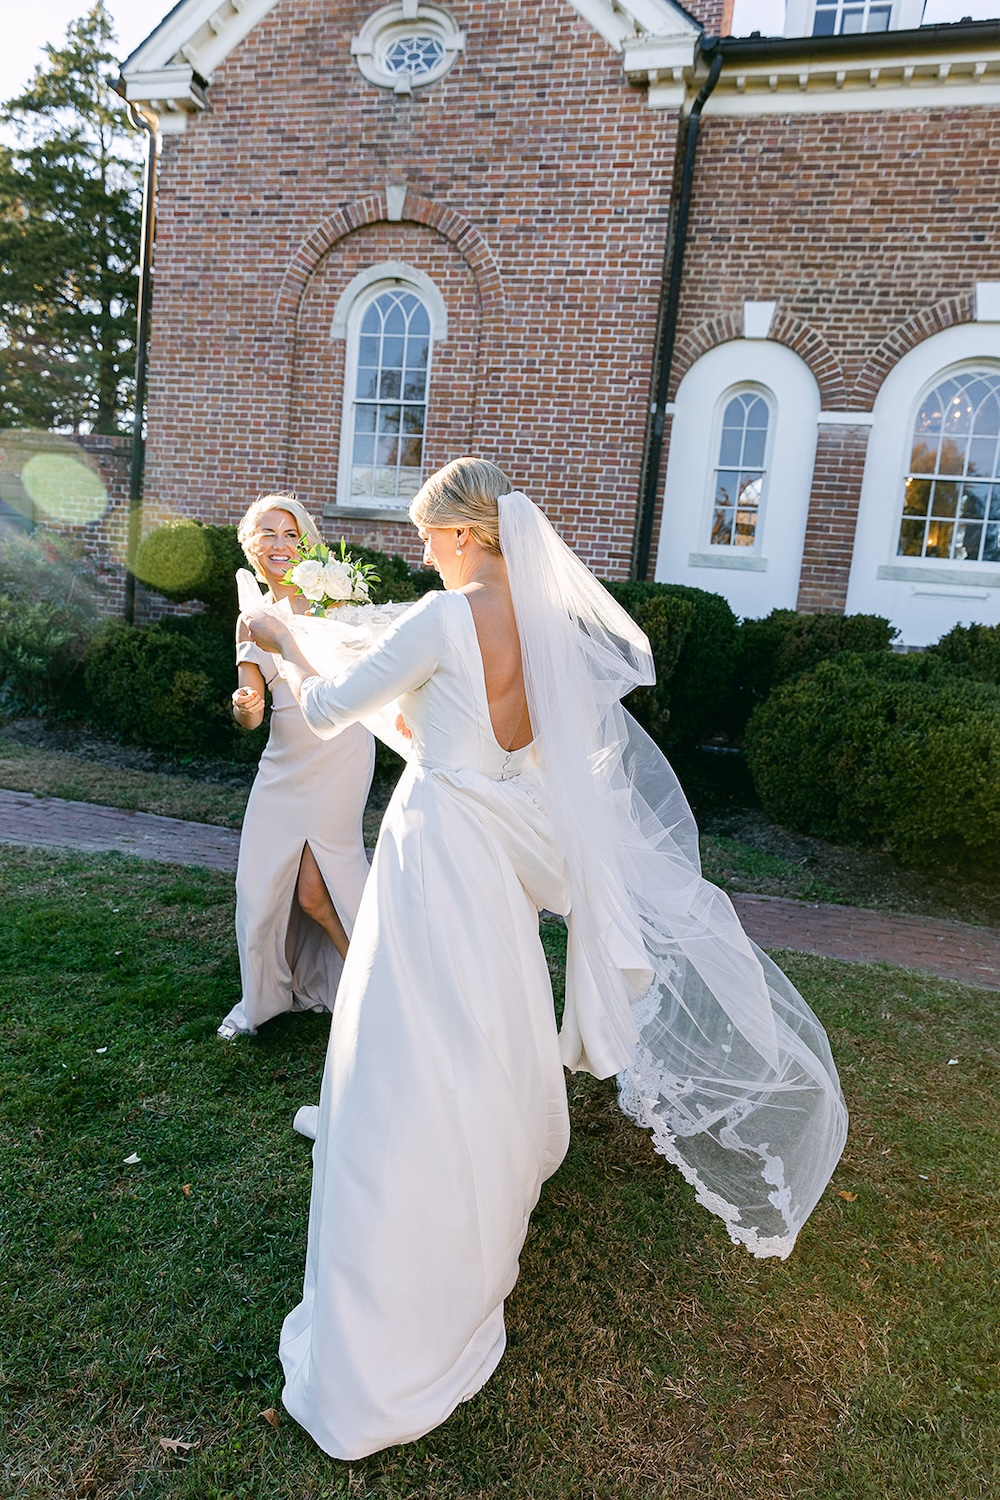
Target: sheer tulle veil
<point>716,1052</point>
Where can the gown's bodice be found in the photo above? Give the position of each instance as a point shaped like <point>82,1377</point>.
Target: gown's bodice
<point>437,678</point>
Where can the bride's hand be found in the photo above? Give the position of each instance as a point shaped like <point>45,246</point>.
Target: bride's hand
<point>268,633</point>
<point>403,728</point>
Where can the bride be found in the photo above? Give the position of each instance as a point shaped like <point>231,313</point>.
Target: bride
<point>443,1106</point>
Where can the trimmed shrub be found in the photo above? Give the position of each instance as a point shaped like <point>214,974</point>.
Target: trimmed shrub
<point>695,640</point>
<point>784,644</point>
<point>49,601</point>
<point>973,650</point>
<point>166,686</point>
<point>185,560</point>
<point>885,750</point>
<point>666,620</point>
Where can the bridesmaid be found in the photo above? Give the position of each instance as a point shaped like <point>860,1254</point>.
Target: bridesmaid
<point>302,863</point>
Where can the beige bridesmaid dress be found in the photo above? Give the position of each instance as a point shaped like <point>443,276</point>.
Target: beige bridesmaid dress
<point>306,790</point>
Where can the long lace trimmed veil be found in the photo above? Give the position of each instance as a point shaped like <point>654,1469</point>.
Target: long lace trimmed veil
<point>716,1052</point>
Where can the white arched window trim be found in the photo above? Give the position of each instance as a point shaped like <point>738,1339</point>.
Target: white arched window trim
<point>923,596</point>
<point>731,555</point>
<point>769,577</point>
<point>351,307</point>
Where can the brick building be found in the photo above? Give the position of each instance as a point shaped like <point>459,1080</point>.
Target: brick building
<point>391,234</point>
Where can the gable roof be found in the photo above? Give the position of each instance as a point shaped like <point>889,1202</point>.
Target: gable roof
<point>171,70</point>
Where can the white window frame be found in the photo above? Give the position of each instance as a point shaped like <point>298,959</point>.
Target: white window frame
<point>348,314</point>
<point>733,549</point>
<point>394,23</point>
<point>923,596</point>
<point>965,367</point>
<point>767,578</point>
<point>800,15</point>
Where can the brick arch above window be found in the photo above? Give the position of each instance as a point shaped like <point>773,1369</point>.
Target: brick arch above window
<point>923,325</point>
<point>375,209</point>
<point>800,337</point>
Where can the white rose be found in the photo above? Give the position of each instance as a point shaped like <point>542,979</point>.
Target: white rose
<point>337,581</point>
<point>308,576</point>
<point>361,590</point>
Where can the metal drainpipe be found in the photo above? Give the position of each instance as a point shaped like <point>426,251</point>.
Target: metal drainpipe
<point>667,322</point>
<point>142,122</point>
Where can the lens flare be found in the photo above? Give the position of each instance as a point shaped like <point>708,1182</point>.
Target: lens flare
<point>65,488</point>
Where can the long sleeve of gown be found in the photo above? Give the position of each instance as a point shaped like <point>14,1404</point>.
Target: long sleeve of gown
<point>403,660</point>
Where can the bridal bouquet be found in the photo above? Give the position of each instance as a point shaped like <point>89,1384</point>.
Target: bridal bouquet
<point>328,579</point>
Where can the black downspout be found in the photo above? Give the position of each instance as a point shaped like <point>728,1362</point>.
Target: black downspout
<point>141,122</point>
<point>673,270</point>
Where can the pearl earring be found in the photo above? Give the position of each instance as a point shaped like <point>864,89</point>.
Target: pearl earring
<point>458,551</point>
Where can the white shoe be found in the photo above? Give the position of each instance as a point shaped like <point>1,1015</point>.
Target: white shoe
<point>306,1121</point>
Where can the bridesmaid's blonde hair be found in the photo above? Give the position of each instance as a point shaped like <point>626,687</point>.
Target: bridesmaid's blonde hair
<point>463,493</point>
<point>247,528</point>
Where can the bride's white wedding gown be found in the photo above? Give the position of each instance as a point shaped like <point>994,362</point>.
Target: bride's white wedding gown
<point>443,1106</point>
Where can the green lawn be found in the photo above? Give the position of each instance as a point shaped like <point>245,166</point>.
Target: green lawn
<point>648,1357</point>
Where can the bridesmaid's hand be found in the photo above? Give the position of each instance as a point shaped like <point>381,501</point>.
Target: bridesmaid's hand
<point>268,633</point>
<point>248,704</point>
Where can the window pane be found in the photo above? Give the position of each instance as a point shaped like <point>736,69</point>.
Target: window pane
<point>982,455</point>
<point>973,503</point>
<point>991,545</point>
<point>995,504</point>
<point>367,388</point>
<point>939,539</point>
<point>753,447</point>
<point>393,360</point>
<point>916,497</point>
<point>953,439</point>
<point>945,499</point>
<point>730,447</point>
<point>911,539</point>
<point>967,542</point>
<point>739,474</point>
<point>722,527</point>
<point>392,353</point>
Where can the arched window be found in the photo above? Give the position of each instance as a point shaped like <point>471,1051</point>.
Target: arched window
<point>739,473</point>
<point>390,323</point>
<point>951,491</point>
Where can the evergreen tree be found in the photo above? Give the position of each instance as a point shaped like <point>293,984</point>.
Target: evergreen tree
<point>70,212</point>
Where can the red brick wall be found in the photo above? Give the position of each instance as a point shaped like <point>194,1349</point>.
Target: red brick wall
<point>869,231</point>
<point>535,139</point>
<point>833,514</point>
<point>715,15</point>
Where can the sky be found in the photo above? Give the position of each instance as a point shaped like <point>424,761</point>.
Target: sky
<point>27,27</point>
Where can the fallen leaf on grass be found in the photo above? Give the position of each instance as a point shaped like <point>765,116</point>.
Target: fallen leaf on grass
<point>186,1189</point>
<point>175,1445</point>
<point>130,1161</point>
<point>849,1196</point>
<point>269,1416</point>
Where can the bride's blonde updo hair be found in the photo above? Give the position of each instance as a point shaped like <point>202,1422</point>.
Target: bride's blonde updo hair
<point>247,529</point>
<point>463,493</point>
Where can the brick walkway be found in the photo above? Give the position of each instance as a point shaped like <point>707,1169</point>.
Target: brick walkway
<point>953,950</point>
